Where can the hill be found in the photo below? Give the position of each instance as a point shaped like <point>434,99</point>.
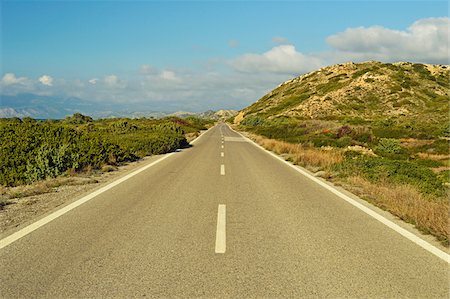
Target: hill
<point>209,114</point>
<point>402,93</point>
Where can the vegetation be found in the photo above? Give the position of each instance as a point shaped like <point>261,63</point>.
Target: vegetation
<point>32,150</point>
<point>381,130</point>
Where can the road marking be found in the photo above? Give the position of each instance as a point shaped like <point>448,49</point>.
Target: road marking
<point>34,226</point>
<point>222,146</point>
<point>234,139</point>
<point>221,239</point>
<point>405,233</point>
<point>221,154</point>
<point>222,169</point>
<point>222,141</point>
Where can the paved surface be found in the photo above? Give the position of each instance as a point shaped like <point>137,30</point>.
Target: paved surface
<point>157,234</point>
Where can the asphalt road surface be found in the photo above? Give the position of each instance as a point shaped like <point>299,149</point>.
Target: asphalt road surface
<point>221,219</point>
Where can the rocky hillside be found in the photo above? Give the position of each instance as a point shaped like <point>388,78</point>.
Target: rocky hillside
<point>360,92</point>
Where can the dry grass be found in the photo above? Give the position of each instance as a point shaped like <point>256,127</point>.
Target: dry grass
<point>430,215</point>
<point>108,168</point>
<point>361,149</point>
<point>308,157</point>
<point>411,142</point>
<point>434,157</point>
<point>191,136</point>
<point>41,187</point>
<point>440,169</point>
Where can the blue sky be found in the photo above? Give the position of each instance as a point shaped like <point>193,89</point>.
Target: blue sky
<point>213,53</point>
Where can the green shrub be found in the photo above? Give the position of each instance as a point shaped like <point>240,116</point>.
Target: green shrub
<point>78,118</point>
<point>33,150</point>
<point>253,121</point>
<point>344,141</point>
<point>377,169</point>
<point>388,146</point>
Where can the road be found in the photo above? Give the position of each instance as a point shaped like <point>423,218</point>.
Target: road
<point>221,219</point>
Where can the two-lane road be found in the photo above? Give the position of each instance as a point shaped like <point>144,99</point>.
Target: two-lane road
<point>162,233</point>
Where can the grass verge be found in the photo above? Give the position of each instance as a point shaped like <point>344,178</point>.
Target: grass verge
<point>428,212</point>
<point>40,187</point>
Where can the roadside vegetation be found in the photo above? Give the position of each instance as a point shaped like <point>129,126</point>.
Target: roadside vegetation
<point>381,130</point>
<point>409,177</point>
<point>34,151</point>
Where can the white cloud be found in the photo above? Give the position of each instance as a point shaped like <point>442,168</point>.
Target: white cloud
<point>111,80</point>
<point>156,76</point>
<point>168,75</point>
<point>426,40</point>
<point>93,81</point>
<point>280,59</point>
<point>46,80</point>
<point>10,79</point>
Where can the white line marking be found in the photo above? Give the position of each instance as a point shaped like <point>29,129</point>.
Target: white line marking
<point>222,146</point>
<point>410,236</point>
<point>34,226</point>
<point>221,239</point>
<point>221,154</point>
<point>222,169</point>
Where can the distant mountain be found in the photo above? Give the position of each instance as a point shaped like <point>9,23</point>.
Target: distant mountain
<point>224,114</point>
<point>10,112</point>
<point>44,107</point>
<point>220,114</point>
<point>369,91</point>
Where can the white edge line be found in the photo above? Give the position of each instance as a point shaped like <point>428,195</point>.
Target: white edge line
<point>34,226</point>
<point>221,240</point>
<point>410,236</point>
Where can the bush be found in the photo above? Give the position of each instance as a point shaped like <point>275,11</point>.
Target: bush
<point>377,169</point>
<point>344,141</point>
<point>78,118</point>
<point>252,121</point>
<point>343,131</point>
<point>388,146</point>
<point>34,150</point>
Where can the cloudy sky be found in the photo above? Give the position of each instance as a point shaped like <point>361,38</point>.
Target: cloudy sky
<point>199,55</point>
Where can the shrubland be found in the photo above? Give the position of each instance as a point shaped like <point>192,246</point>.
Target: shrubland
<point>34,150</point>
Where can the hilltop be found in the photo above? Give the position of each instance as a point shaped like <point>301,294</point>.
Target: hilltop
<point>361,93</point>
